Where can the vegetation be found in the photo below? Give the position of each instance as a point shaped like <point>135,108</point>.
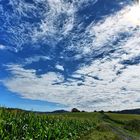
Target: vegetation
<point>26,126</point>
<point>21,125</point>
<point>75,110</point>
<point>133,125</point>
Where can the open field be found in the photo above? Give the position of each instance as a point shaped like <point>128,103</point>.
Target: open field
<point>123,117</point>
<point>22,125</point>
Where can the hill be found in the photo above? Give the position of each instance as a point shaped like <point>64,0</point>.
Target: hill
<point>130,111</point>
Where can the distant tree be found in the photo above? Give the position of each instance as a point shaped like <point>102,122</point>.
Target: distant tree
<point>75,110</point>
<point>101,111</point>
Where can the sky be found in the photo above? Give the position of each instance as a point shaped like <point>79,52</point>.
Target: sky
<point>60,54</point>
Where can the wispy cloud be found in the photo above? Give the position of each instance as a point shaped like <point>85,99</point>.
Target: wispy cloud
<point>94,61</point>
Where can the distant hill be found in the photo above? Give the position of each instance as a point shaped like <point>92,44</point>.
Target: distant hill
<point>60,111</point>
<point>129,111</point>
<point>40,112</point>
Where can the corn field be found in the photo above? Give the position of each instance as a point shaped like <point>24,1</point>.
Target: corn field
<point>20,125</point>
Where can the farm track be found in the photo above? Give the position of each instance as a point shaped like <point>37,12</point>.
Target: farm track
<point>121,133</point>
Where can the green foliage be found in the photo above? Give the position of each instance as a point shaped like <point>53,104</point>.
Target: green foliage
<point>28,126</point>
<point>103,127</point>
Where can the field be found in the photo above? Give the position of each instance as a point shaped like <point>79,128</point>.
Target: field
<point>22,125</point>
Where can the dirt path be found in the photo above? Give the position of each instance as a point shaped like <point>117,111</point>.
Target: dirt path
<point>123,135</point>
<point>109,129</point>
<point>113,133</point>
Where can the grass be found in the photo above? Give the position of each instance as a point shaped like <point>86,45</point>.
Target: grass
<point>123,117</point>
<point>97,135</point>
<point>21,125</point>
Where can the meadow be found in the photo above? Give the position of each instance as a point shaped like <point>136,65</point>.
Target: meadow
<point>22,125</point>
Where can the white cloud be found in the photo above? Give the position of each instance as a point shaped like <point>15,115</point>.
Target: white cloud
<point>109,33</point>
<point>93,94</point>
<point>59,67</point>
<point>46,12</point>
<point>36,59</point>
<point>58,22</point>
<point>2,47</point>
<point>100,87</point>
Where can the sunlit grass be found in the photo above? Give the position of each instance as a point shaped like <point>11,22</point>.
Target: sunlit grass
<point>123,117</point>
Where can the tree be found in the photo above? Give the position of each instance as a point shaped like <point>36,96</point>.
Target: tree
<point>75,110</point>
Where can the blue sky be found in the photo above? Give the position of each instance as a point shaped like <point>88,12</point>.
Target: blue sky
<point>60,54</point>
